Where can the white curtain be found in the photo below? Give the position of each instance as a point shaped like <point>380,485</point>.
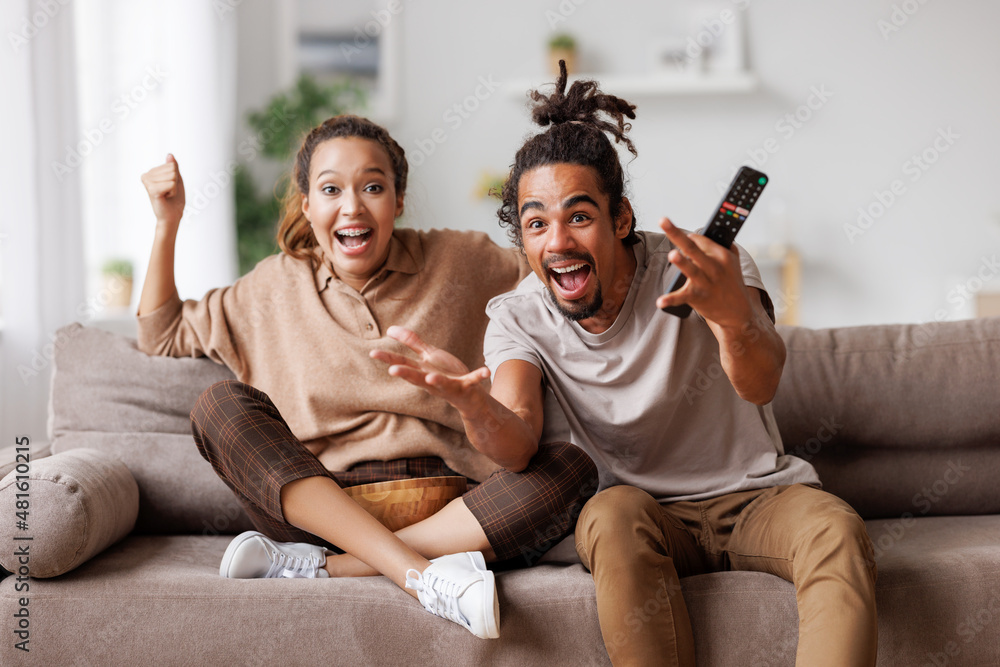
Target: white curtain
<point>40,234</point>
<point>162,76</point>
<point>152,78</point>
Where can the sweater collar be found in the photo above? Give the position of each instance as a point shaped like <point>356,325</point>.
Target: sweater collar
<point>404,257</point>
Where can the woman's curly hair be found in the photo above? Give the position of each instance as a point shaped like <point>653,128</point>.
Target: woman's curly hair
<point>576,136</point>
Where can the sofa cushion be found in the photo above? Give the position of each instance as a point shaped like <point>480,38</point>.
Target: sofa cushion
<point>171,589</point>
<point>937,595</point>
<point>103,382</point>
<point>171,586</point>
<point>865,404</point>
<point>110,396</point>
<point>76,505</point>
<point>938,590</point>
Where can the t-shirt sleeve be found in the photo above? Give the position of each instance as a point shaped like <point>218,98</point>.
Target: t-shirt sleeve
<point>751,276</point>
<point>197,328</point>
<point>500,344</point>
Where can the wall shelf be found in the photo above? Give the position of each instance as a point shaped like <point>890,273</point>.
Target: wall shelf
<point>651,85</point>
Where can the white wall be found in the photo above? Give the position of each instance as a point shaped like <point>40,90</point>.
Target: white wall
<point>890,97</point>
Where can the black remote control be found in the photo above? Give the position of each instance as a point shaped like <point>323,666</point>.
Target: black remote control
<point>729,216</point>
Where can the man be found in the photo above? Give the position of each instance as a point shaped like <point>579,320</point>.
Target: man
<point>693,476</point>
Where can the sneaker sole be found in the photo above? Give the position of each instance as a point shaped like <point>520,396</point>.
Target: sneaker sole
<point>492,616</point>
<point>231,551</point>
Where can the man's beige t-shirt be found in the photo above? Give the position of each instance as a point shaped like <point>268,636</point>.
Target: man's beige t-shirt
<point>647,399</point>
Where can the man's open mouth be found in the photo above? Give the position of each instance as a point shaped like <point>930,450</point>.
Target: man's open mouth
<point>354,239</point>
<point>571,279</point>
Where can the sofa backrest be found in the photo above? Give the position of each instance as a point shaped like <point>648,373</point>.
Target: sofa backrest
<point>899,420</point>
<point>108,395</point>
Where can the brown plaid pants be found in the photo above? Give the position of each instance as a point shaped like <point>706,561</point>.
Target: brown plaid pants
<point>240,432</point>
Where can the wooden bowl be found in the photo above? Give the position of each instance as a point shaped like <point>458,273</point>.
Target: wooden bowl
<point>401,502</point>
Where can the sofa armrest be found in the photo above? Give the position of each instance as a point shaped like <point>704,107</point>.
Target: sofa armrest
<point>60,511</point>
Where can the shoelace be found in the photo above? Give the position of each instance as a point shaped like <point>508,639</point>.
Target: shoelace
<point>292,567</point>
<point>440,595</point>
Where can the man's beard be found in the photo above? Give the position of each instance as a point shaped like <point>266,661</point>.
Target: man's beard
<point>578,311</point>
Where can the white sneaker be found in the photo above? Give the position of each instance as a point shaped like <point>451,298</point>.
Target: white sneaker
<point>460,588</point>
<point>251,555</point>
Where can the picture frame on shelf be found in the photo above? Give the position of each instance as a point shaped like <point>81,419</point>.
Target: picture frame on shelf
<point>716,34</point>
<point>362,42</point>
<point>669,56</point>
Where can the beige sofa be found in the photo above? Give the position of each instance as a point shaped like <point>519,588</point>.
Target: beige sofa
<point>901,421</point>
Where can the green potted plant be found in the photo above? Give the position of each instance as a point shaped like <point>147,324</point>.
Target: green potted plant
<point>562,46</point>
<point>117,275</point>
<point>490,185</point>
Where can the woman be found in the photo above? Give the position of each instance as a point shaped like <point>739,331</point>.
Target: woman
<point>311,412</point>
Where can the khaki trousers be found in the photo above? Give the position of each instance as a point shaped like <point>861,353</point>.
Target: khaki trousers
<point>637,549</point>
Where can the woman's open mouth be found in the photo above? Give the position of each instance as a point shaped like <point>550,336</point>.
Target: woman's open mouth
<point>354,240</point>
<point>572,280</point>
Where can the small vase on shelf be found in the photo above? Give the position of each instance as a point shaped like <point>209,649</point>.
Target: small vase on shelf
<point>562,47</point>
